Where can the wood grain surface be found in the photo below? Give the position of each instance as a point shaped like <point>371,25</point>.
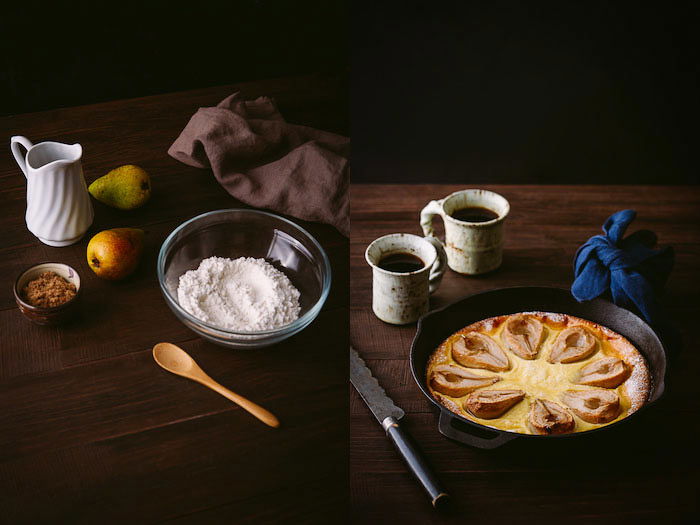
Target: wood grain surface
<point>647,473</point>
<point>91,429</point>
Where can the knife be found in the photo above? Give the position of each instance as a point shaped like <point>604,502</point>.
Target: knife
<point>388,415</point>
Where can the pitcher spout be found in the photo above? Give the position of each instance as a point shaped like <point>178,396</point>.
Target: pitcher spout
<point>76,152</point>
<point>47,155</point>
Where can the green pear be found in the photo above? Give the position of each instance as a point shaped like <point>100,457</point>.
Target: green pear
<point>126,187</point>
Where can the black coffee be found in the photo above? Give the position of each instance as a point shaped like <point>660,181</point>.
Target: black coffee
<point>400,262</point>
<point>474,214</point>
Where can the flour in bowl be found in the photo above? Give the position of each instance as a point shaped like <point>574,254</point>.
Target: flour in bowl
<point>244,294</point>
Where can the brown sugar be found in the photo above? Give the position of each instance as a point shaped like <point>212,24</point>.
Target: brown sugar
<point>48,290</point>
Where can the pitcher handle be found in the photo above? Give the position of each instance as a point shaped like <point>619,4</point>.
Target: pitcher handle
<point>15,143</point>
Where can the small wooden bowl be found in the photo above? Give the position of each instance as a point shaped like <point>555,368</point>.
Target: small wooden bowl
<point>53,315</point>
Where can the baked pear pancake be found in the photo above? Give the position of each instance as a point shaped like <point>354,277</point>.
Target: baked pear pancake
<point>538,373</point>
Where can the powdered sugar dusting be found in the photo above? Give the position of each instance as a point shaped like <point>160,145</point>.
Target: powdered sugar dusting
<point>638,383</point>
<point>243,294</point>
<point>487,324</point>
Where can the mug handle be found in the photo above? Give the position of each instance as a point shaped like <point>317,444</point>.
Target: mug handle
<point>439,266</point>
<point>432,209</point>
<point>15,143</point>
<point>426,223</point>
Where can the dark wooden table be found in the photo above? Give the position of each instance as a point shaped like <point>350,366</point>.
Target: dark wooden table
<point>648,473</point>
<point>91,430</point>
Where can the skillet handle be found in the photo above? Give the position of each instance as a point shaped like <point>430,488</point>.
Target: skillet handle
<point>448,430</point>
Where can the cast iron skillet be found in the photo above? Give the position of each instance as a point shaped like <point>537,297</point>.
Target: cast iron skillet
<point>435,327</point>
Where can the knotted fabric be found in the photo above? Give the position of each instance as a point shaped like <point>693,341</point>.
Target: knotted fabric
<point>629,268</point>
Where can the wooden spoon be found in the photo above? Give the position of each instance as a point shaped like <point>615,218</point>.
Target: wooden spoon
<point>174,359</point>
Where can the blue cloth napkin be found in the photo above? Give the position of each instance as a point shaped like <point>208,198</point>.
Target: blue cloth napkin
<point>629,268</point>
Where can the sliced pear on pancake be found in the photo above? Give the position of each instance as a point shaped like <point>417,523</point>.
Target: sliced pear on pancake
<point>522,335</point>
<point>547,417</point>
<point>490,404</point>
<point>455,381</point>
<point>572,344</point>
<point>609,372</point>
<point>475,350</point>
<point>594,406</point>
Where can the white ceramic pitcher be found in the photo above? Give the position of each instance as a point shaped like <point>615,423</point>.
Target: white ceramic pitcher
<point>59,210</point>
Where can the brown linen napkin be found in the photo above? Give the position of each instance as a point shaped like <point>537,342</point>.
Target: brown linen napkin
<point>268,163</point>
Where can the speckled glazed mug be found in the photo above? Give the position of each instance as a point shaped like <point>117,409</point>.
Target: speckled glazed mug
<point>403,297</point>
<point>472,247</point>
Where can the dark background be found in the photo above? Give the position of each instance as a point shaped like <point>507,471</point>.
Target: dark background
<point>61,53</point>
<point>520,92</point>
<point>464,92</point>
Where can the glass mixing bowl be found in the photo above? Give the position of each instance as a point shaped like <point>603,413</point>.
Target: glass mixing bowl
<point>246,233</point>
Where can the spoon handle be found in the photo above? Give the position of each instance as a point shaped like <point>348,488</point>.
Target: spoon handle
<point>262,414</point>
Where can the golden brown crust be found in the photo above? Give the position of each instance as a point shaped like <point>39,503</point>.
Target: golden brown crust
<point>633,390</point>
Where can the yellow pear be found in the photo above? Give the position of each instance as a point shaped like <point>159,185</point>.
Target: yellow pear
<point>114,254</point>
<point>126,187</point>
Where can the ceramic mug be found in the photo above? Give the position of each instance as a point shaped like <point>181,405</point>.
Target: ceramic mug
<point>472,247</point>
<point>403,297</point>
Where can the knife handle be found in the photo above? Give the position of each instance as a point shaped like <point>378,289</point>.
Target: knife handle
<point>414,459</point>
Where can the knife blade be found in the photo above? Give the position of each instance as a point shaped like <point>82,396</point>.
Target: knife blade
<point>371,391</point>
<point>388,415</point>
